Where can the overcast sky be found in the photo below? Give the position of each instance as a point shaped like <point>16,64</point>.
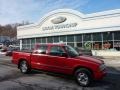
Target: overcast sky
<point>15,11</point>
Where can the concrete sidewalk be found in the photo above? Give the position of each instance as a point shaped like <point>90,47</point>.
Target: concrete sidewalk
<point>112,62</point>
<point>113,65</point>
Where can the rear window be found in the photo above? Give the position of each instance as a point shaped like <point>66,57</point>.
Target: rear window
<point>42,48</point>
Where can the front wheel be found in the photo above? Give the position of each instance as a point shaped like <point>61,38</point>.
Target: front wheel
<point>83,77</point>
<point>24,67</point>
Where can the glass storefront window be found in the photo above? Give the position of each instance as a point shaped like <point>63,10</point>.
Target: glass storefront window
<point>78,38</point>
<point>70,38</point>
<point>56,39</point>
<point>50,40</point>
<point>43,40</point>
<point>117,45</point>
<point>79,44</point>
<point>28,47</point>
<point>117,35</point>
<point>23,46</point>
<point>33,41</point>
<point>71,44</point>
<point>24,41</point>
<point>38,40</point>
<point>102,40</point>
<point>108,45</point>
<point>97,37</point>
<point>32,46</point>
<point>86,37</point>
<point>28,41</point>
<point>63,38</point>
<point>107,36</point>
<point>97,45</point>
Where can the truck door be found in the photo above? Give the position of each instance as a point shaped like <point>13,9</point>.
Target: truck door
<point>57,59</point>
<point>39,57</point>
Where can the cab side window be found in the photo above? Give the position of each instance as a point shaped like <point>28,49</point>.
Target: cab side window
<point>56,51</point>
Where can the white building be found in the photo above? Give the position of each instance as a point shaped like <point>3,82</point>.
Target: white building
<point>99,30</point>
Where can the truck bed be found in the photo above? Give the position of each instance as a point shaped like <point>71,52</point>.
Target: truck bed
<point>21,54</point>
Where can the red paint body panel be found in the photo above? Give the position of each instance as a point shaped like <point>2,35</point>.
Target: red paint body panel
<point>65,65</point>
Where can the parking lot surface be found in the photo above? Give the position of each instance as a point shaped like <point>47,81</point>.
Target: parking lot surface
<point>12,79</point>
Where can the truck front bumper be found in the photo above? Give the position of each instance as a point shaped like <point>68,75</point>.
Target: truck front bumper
<point>100,74</point>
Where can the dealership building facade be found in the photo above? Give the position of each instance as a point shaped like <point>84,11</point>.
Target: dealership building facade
<point>96,31</point>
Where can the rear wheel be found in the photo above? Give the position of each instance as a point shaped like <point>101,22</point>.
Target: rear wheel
<point>24,67</point>
<point>83,77</point>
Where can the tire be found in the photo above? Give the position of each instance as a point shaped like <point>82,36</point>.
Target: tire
<point>83,77</point>
<point>24,68</point>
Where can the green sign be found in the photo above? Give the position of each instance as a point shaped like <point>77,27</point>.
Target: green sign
<point>87,45</point>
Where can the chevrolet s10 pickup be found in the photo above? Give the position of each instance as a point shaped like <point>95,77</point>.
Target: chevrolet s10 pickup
<point>60,58</point>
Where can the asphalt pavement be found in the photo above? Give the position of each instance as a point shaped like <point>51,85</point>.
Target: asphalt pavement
<point>12,79</point>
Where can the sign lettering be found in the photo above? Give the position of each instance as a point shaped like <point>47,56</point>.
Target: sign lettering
<point>62,26</point>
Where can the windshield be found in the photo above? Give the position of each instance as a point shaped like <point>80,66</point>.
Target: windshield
<point>71,51</point>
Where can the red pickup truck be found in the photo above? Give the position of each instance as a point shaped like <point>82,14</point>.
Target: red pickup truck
<point>60,58</point>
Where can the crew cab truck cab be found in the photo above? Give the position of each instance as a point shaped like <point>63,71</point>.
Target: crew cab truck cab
<point>60,58</point>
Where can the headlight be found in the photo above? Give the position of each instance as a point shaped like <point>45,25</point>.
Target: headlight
<point>102,67</point>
